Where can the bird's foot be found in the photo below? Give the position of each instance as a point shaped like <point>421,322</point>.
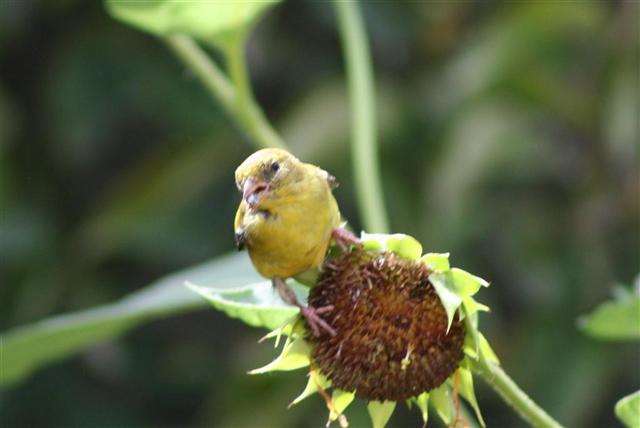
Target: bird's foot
<point>343,238</point>
<point>312,315</point>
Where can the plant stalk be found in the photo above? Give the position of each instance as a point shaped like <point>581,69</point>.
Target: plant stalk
<point>235,96</point>
<point>513,395</point>
<point>360,79</point>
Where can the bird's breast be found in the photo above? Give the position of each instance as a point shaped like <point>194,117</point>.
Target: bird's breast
<point>291,235</point>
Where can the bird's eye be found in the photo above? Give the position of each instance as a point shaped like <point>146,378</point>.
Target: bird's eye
<point>275,166</point>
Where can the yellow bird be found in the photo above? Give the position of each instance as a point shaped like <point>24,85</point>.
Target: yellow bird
<point>286,220</point>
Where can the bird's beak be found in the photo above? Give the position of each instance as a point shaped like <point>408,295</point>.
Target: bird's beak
<point>252,189</point>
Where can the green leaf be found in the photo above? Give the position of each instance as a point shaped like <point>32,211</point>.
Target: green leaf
<point>295,355</point>
<point>404,245</point>
<point>465,283</point>
<point>436,261</point>
<point>256,304</point>
<point>486,350</point>
<point>450,300</point>
<point>380,413</point>
<point>467,391</point>
<point>471,345</point>
<point>315,381</point>
<point>628,410</point>
<point>440,398</point>
<point>614,320</point>
<point>471,306</point>
<point>27,348</point>
<point>212,21</point>
<point>422,401</point>
<point>341,400</point>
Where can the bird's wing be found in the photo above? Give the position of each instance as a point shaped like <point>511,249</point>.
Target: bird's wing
<point>240,236</point>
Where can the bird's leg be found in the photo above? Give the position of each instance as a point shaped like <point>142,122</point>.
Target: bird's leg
<point>344,238</point>
<point>309,312</point>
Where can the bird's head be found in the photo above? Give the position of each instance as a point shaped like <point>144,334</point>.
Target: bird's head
<point>264,171</point>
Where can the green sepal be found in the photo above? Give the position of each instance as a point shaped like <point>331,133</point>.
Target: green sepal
<point>404,245</point>
<point>422,402</point>
<point>340,400</point>
<point>315,381</point>
<point>438,262</point>
<point>380,412</point>
<point>486,350</point>
<point>465,387</point>
<point>465,283</point>
<point>471,344</point>
<point>290,327</point>
<point>442,402</point>
<point>295,354</point>
<point>471,306</point>
<point>628,410</point>
<point>449,298</point>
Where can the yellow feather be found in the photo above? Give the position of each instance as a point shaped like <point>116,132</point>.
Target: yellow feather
<point>289,230</point>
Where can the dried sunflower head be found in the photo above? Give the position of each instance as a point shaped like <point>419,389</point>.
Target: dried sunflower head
<point>406,329</point>
<point>392,340</point>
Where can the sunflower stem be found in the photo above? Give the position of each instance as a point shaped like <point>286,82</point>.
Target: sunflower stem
<point>361,88</point>
<point>233,94</point>
<point>513,395</point>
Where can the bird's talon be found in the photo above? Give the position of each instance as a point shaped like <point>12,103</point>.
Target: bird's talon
<point>316,323</point>
<point>324,309</point>
<point>343,238</point>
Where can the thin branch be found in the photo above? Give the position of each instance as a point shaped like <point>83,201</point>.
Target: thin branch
<point>239,104</point>
<point>362,92</point>
<point>513,395</point>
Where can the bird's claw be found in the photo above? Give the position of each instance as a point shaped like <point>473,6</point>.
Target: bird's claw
<point>343,238</point>
<point>312,315</point>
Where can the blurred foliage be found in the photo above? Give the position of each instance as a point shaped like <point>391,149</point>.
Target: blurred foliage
<point>617,319</point>
<point>509,137</point>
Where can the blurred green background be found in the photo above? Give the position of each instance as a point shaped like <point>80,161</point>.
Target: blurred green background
<point>508,136</point>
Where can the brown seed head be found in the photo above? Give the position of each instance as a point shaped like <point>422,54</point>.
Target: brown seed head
<point>392,341</point>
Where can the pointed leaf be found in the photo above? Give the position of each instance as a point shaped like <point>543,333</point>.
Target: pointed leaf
<point>380,413</point>
<point>256,304</point>
<point>450,300</point>
<point>26,348</point>
<point>437,261</point>
<point>465,283</point>
<point>341,400</point>
<point>295,354</point>
<point>471,306</point>
<point>628,410</point>
<point>422,401</point>
<point>288,328</point>
<point>315,380</point>
<point>441,400</point>
<point>465,386</point>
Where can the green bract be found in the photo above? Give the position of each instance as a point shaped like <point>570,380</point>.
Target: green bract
<point>455,288</point>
